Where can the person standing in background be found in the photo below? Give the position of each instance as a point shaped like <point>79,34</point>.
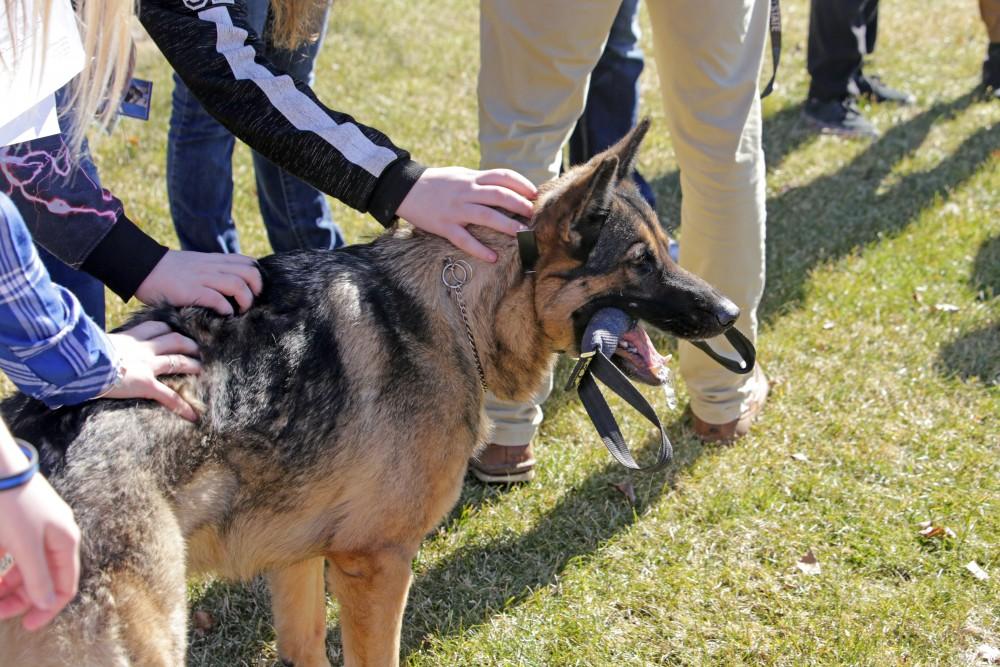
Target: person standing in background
<point>841,34</point>
<point>535,64</point>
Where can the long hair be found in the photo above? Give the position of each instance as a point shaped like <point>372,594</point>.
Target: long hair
<point>105,30</point>
<point>296,21</point>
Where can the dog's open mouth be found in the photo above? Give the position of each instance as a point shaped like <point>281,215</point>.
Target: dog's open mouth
<point>637,358</point>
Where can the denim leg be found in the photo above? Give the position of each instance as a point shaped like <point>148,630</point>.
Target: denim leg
<point>295,214</point>
<point>613,97</point>
<point>87,289</point>
<point>200,176</point>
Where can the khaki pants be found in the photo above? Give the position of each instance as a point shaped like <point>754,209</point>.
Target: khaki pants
<point>536,59</point>
<point>990,11</point>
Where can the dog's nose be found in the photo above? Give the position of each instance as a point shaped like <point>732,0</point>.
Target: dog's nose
<point>726,312</point>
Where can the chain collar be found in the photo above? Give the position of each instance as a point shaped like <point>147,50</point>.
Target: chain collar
<point>455,274</point>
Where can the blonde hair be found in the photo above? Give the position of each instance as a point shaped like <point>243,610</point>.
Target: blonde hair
<point>106,33</point>
<point>296,22</point>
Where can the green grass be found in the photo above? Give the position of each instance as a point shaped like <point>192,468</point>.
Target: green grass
<point>893,404</point>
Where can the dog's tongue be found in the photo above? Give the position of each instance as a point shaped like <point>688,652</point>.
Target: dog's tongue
<point>649,365</point>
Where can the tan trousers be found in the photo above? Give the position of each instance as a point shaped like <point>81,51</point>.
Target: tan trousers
<point>990,11</point>
<point>536,59</point>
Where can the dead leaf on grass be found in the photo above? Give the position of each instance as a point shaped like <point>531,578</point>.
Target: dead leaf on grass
<point>203,622</point>
<point>808,564</point>
<point>626,489</point>
<point>930,531</point>
<point>977,572</point>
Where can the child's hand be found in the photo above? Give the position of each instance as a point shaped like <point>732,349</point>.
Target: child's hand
<point>147,351</point>
<point>445,200</point>
<point>185,278</point>
<point>39,531</point>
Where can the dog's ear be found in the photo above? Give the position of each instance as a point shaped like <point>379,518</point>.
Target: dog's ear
<point>627,149</point>
<point>579,203</point>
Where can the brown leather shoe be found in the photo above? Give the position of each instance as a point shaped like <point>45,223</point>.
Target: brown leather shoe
<point>737,428</point>
<point>502,464</point>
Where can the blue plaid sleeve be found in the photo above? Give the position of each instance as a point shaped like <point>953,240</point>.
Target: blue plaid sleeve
<point>48,347</point>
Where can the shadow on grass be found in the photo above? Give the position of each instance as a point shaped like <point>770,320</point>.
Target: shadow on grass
<point>973,356</point>
<point>835,214</point>
<point>480,580</point>
<point>976,355</point>
<point>986,269</point>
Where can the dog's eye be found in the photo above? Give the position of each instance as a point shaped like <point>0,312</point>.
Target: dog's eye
<point>639,254</point>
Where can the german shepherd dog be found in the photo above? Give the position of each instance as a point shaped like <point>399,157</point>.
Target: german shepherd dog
<point>337,418</point>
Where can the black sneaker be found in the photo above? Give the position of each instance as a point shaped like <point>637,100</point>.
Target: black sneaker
<point>875,90</point>
<point>840,117</point>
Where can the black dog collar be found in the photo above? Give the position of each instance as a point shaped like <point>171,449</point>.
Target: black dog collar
<point>527,247</point>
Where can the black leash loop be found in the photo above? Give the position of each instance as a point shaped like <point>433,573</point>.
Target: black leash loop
<point>602,368</point>
<point>741,344</point>
<point>774,25</point>
<point>597,365</point>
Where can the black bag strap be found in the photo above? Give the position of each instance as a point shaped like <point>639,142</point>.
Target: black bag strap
<point>774,25</point>
<point>599,366</point>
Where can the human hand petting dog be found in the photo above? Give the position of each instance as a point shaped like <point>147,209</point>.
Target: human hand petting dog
<point>185,278</point>
<point>147,351</point>
<point>445,200</point>
<point>39,531</point>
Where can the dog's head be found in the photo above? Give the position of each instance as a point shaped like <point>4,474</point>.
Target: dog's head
<point>600,245</point>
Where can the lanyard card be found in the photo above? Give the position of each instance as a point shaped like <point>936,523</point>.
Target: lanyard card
<point>137,99</point>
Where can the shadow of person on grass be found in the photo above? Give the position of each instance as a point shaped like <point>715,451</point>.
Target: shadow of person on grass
<point>976,355</point>
<point>858,204</point>
<point>482,579</point>
<point>832,215</point>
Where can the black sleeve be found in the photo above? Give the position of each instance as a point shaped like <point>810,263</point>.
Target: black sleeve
<point>124,258</point>
<point>210,45</point>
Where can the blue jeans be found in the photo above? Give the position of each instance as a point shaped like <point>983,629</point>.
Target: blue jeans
<point>200,172</point>
<point>613,97</point>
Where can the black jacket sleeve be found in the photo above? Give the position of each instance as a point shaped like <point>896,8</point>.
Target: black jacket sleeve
<point>211,47</point>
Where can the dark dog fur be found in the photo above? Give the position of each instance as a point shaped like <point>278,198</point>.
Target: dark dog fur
<point>338,415</point>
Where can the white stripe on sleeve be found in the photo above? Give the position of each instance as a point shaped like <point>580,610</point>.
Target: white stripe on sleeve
<point>299,109</point>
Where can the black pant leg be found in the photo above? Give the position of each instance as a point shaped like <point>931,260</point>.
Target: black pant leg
<point>834,55</point>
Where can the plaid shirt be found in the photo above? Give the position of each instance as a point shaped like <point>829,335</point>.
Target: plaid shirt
<point>48,347</point>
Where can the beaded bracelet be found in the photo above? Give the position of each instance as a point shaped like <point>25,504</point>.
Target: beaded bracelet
<point>23,477</point>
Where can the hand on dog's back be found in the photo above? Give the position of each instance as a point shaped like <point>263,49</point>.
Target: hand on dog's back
<point>147,351</point>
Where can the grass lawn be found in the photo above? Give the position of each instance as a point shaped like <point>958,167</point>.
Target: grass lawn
<point>881,331</point>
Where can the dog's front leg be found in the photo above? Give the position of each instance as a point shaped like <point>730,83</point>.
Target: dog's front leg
<point>298,601</point>
<point>371,588</point>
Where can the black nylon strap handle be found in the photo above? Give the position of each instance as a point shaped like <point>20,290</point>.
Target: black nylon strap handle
<point>774,24</point>
<point>600,414</point>
<point>741,344</point>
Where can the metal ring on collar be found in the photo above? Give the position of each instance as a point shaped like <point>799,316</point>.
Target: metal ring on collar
<point>456,273</point>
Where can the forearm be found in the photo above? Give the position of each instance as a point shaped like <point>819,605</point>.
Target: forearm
<point>12,461</point>
<point>48,347</point>
<point>221,60</point>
